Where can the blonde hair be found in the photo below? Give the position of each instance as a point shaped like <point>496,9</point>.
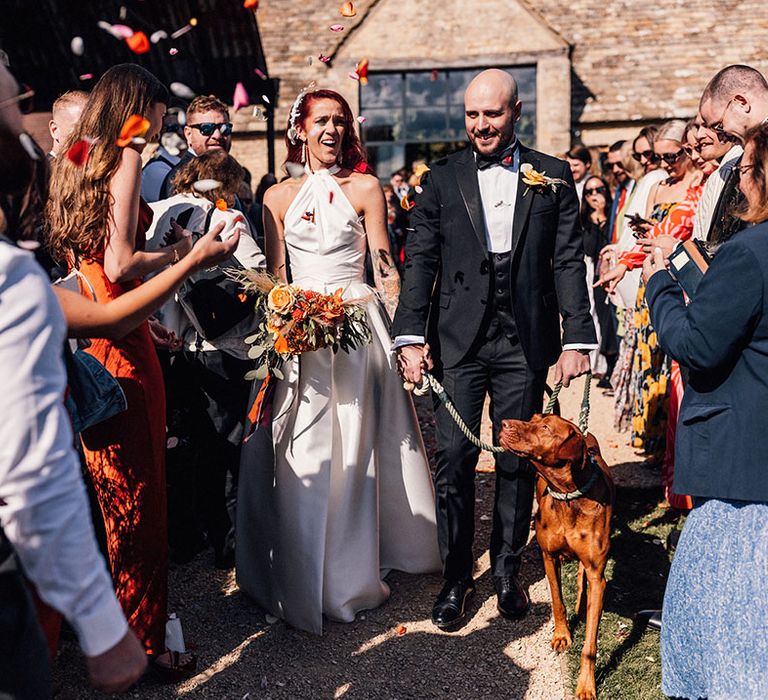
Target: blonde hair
<point>672,131</point>
<point>79,204</point>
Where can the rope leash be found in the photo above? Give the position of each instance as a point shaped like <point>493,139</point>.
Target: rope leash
<point>429,382</point>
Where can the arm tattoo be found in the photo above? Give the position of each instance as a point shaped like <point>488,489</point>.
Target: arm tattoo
<point>387,280</point>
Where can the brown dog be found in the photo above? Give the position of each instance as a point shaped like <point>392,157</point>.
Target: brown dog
<point>569,463</point>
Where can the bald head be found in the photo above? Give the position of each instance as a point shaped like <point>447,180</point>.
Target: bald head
<point>735,100</point>
<point>65,114</point>
<point>491,109</point>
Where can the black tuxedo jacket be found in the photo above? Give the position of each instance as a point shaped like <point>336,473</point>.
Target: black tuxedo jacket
<point>447,282</point>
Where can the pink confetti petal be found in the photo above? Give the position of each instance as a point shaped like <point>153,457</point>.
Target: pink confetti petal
<point>121,30</point>
<point>173,51</point>
<point>158,35</point>
<point>361,119</point>
<point>336,28</point>
<point>86,76</point>
<point>323,59</point>
<point>240,98</point>
<point>260,73</point>
<point>353,75</point>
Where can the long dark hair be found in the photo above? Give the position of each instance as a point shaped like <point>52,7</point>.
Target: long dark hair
<point>352,155</point>
<point>80,201</point>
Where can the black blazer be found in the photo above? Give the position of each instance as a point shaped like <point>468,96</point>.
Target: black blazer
<point>446,285</point>
<point>722,337</point>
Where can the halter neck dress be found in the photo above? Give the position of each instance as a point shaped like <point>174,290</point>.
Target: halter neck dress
<point>346,493</point>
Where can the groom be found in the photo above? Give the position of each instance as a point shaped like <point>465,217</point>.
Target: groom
<point>491,265</point>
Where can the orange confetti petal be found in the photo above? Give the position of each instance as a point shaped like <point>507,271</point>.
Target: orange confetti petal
<point>221,205</point>
<point>251,4</point>
<point>406,204</point>
<point>348,10</point>
<point>138,42</point>
<point>362,71</point>
<point>401,630</point>
<point>281,344</point>
<point>78,152</point>
<point>135,125</point>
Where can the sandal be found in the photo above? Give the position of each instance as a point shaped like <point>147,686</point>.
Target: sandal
<point>173,666</point>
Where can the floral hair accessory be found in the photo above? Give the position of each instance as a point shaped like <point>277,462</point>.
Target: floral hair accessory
<point>296,112</point>
<point>539,180</point>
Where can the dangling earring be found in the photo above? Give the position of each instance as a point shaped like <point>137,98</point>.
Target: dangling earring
<point>304,155</point>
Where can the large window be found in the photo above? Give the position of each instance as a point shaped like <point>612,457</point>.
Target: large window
<point>420,114</point>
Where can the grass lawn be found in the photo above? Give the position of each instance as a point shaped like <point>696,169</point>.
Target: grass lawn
<point>628,660</point>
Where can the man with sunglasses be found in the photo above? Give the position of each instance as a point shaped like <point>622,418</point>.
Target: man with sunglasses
<point>734,101</point>
<point>207,128</point>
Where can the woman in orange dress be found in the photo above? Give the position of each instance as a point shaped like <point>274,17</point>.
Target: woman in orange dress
<point>98,222</point>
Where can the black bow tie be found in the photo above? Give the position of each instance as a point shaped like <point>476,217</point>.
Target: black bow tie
<point>484,162</point>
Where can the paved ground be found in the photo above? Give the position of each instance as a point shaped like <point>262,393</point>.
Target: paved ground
<point>242,656</point>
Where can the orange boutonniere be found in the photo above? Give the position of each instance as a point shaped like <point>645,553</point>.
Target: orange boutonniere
<point>539,181</point>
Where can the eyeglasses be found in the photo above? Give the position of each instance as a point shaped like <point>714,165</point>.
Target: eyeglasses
<point>671,158</point>
<point>648,155</point>
<point>717,127</point>
<point>209,128</point>
<point>594,190</point>
<point>741,169</point>
<point>23,100</point>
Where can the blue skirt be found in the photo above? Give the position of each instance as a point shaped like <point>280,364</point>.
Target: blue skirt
<point>714,637</point>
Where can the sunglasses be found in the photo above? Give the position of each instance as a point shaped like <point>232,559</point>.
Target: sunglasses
<point>648,155</point>
<point>671,158</point>
<point>209,128</point>
<point>594,190</point>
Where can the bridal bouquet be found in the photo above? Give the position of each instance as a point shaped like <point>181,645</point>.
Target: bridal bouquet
<point>296,321</point>
<point>299,320</point>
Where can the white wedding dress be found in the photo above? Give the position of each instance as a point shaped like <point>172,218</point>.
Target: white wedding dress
<point>341,492</point>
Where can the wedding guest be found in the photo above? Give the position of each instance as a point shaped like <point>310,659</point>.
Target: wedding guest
<point>44,517</point>
<point>623,170</point>
<point>65,114</point>
<point>163,160</point>
<point>716,600</point>
<point>207,382</point>
<point>594,221</point>
<point>580,160</point>
<point>670,210</point>
<point>735,100</point>
<point>715,146</point>
<point>207,128</point>
<point>98,222</point>
<point>642,149</point>
<point>258,207</point>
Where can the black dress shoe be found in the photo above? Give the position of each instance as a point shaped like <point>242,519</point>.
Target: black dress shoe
<point>450,607</point>
<point>512,600</point>
<point>651,618</point>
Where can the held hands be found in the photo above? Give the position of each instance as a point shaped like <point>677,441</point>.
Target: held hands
<point>118,668</point>
<point>571,364</point>
<point>654,263</point>
<point>413,361</point>
<point>163,337</point>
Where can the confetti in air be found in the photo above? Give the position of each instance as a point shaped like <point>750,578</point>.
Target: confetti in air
<point>182,91</point>
<point>362,71</point>
<point>347,10</point>
<point>336,28</point>
<point>158,35</point>
<point>323,59</point>
<point>138,42</point>
<point>251,4</point>
<point>135,126</point>
<point>240,99</point>
<point>78,152</point>
<point>206,185</point>
<point>173,51</point>
<point>77,46</point>
<point>221,205</point>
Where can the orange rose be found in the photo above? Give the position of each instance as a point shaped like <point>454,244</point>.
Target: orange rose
<point>281,299</point>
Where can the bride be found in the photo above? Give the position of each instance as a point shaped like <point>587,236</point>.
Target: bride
<point>340,492</point>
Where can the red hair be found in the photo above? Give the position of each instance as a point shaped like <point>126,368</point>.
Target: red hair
<point>352,155</point>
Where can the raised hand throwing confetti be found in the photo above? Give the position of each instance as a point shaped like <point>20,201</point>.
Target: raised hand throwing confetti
<point>135,127</point>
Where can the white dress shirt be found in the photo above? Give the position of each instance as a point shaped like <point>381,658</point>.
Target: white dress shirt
<point>710,195</point>
<point>45,513</point>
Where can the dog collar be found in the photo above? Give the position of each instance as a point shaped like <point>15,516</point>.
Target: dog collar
<point>578,493</point>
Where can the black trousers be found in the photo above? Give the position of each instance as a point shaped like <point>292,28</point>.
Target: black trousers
<point>494,366</point>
